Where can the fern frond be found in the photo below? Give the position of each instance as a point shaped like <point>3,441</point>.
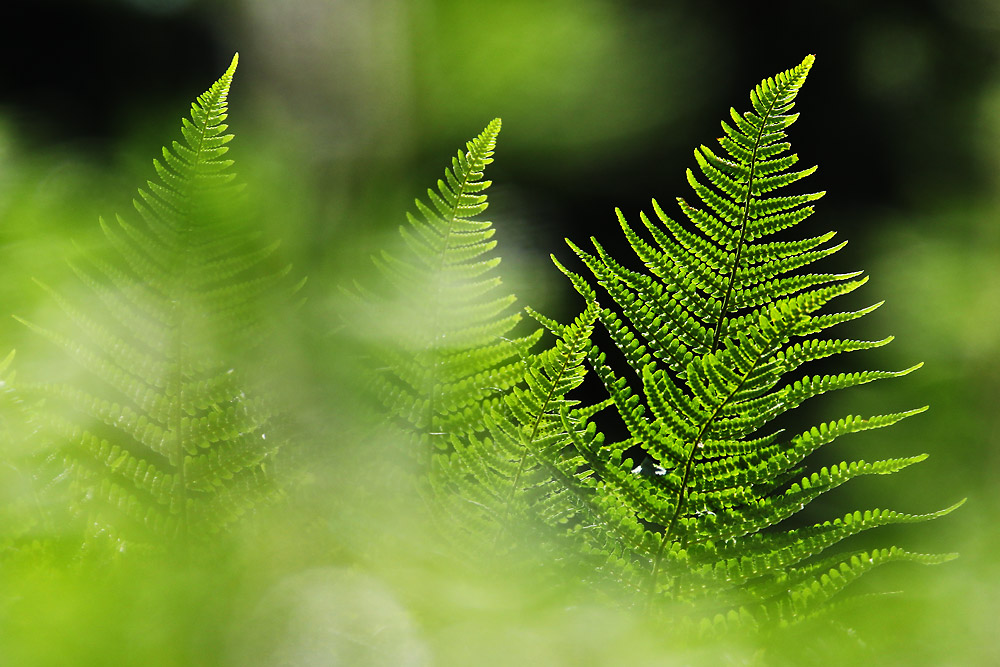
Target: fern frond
<point>455,355</point>
<point>165,437</point>
<point>711,330</point>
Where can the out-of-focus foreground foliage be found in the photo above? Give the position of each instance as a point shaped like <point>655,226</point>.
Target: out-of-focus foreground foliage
<point>343,111</point>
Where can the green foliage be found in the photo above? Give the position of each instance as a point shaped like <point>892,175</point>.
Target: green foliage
<point>18,518</point>
<point>507,484</point>
<point>450,358</point>
<point>162,434</point>
<point>710,331</point>
<point>165,434</point>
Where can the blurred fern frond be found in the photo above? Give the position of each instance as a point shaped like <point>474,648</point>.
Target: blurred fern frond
<point>447,353</point>
<point>162,433</point>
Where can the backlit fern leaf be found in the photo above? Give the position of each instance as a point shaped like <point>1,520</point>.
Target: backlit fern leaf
<point>711,331</point>
<point>163,435</point>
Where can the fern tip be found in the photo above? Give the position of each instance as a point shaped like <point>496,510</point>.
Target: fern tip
<point>950,508</point>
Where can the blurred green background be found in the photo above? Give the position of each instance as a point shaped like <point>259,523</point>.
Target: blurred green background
<point>345,110</point>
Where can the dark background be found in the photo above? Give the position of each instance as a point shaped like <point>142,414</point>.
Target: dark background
<point>889,113</point>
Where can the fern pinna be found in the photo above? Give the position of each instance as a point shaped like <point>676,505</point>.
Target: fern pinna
<point>453,355</point>
<point>163,435</point>
<point>710,331</point>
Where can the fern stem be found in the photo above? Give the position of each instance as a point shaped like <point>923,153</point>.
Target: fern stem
<point>716,339</point>
<point>687,470</point>
<point>525,450</point>
<point>434,361</point>
<point>177,314</point>
<point>654,575</point>
<point>744,224</point>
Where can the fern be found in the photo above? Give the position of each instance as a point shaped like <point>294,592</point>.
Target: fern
<point>165,438</point>
<point>454,356</point>
<point>710,330</point>
<point>513,480</point>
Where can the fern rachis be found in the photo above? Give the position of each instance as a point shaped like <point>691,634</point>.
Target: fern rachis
<point>708,334</point>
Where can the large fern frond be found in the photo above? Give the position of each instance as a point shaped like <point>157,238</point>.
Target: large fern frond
<point>711,331</point>
<point>163,434</point>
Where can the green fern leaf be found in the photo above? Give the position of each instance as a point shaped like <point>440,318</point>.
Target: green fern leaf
<point>711,330</point>
<point>163,435</point>
<point>454,356</point>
